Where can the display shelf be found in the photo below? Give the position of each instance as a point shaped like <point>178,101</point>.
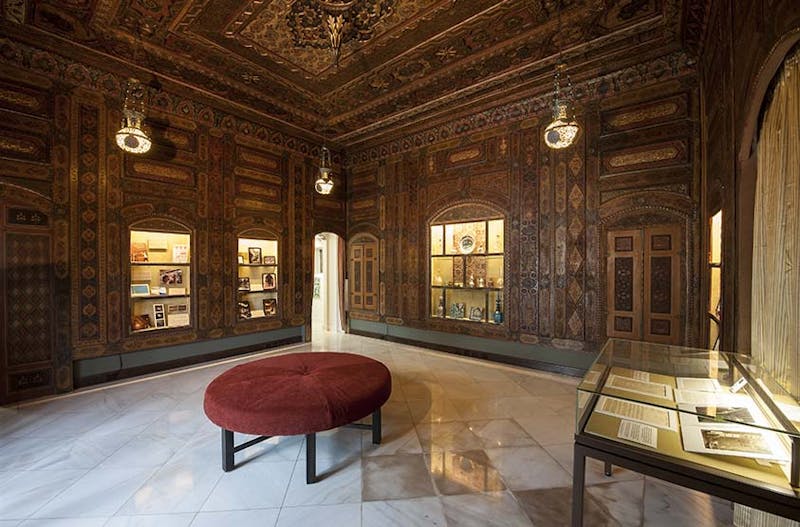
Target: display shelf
<point>256,273</point>
<point>156,297</point>
<point>466,271</point>
<point>159,259</point>
<point>162,264</point>
<point>711,421</point>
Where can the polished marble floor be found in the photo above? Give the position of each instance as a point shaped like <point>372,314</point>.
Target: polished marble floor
<point>466,443</point>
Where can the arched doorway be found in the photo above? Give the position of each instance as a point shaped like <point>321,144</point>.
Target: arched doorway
<point>327,309</point>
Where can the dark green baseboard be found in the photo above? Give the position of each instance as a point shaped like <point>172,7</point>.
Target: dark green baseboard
<point>124,365</point>
<point>536,356</point>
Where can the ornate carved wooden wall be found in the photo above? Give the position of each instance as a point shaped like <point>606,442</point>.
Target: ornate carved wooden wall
<point>634,165</point>
<point>214,172</point>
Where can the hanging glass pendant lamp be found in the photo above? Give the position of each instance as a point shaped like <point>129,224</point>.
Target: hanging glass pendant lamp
<point>324,183</point>
<point>131,137</point>
<point>561,132</point>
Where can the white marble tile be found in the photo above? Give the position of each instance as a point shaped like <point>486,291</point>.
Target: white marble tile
<point>525,468</point>
<point>397,438</point>
<point>21,494</point>
<point>418,512</point>
<point>71,424</point>
<point>433,411</point>
<point>175,487</point>
<point>345,515</point>
<point>82,452</point>
<point>500,433</point>
<point>152,520</point>
<point>100,492</point>
<point>492,509</point>
<point>250,486</point>
<point>144,451</point>
<point>248,518</point>
<point>23,453</point>
<point>622,500</point>
<point>65,522</point>
<point>338,483</point>
<point>595,469</point>
<point>667,505</point>
<point>549,429</point>
<point>339,445</point>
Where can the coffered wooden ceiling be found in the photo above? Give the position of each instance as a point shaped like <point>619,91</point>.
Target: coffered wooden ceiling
<point>421,59</point>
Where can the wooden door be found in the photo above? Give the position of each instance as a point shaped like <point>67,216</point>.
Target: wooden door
<point>662,283</point>
<point>28,324</point>
<point>644,284</point>
<point>364,276</point>
<point>624,279</point>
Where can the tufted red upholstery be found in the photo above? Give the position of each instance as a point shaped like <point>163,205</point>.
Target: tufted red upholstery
<point>299,393</point>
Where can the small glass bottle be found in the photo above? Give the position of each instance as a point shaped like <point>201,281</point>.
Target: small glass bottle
<point>498,314</point>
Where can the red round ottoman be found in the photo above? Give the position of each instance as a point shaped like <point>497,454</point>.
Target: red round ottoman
<point>299,393</point>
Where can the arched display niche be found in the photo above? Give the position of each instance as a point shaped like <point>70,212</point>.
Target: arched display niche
<point>467,264</point>
<point>160,283</point>
<point>259,280</point>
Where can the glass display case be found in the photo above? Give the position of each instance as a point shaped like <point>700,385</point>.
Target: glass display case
<point>257,279</point>
<point>466,273</point>
<point>160,280</point>
<point>708,420</point>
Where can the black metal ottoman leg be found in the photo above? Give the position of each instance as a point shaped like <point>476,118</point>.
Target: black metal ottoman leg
<point>311,458</point>
<point>227,450</point>
<point>376,427</point>
<point>607,470</point>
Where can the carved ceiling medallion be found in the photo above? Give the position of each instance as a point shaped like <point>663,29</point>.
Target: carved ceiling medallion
<point>309,20</point>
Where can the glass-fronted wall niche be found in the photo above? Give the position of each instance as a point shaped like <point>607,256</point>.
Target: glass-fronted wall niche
<point>257,280</point>
<point>160,280</point>
<point>466,273</point>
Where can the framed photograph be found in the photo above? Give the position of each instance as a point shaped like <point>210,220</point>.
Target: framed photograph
<point>139,252</point>
<point>269,281</point>
<point>476,313</point>
<point>244,309</point>
<point>244,283</point>
<point>140,322</point>
<point>177,308</point>
<point>269,259</point>
<point>158,309</point>
<point>240,259</point>
<point>140,289</point>
<point>458,310</point>
<point>170,276</point>
<point>270,307</point>
<point>254,255</point>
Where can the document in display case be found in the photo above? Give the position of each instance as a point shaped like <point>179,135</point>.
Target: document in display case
<point>713,421</point>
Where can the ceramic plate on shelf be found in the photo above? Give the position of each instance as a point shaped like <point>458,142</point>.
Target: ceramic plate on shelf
<point>466,244</point>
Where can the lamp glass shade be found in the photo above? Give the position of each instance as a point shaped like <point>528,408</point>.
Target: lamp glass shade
<point>323,185</point>
<point>562,131</point>
<point>133,140</point>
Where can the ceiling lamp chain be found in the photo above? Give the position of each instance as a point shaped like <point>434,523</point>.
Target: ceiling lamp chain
<point>324,183</point>
<point>561,132</point>
<point>131,137</point>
